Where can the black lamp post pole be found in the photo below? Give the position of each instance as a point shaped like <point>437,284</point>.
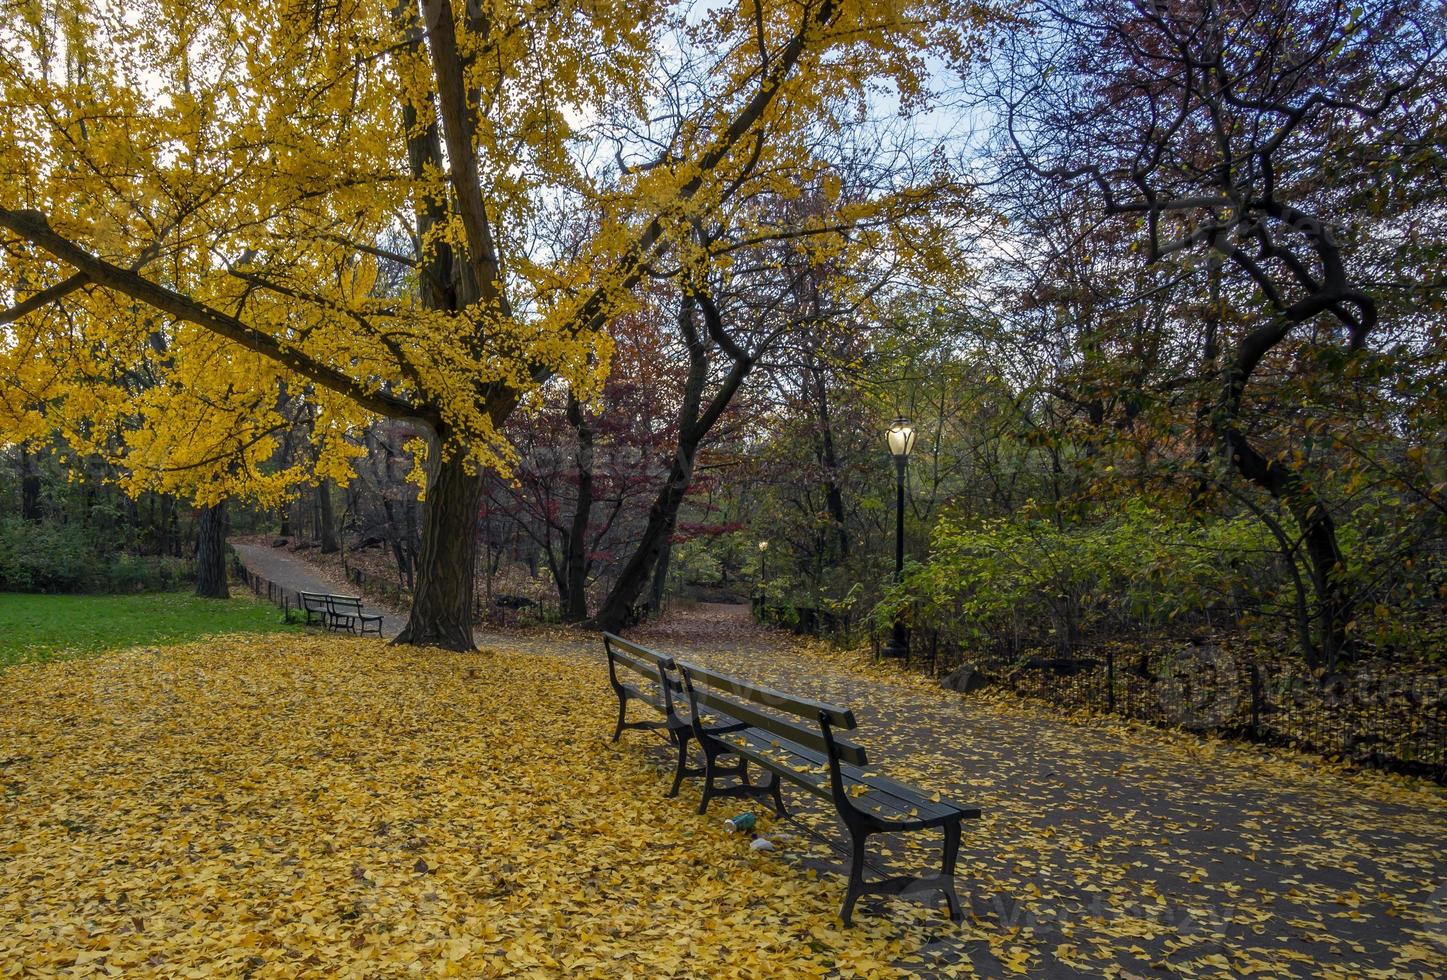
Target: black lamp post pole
<point>898,641</point>
<point>763,598</point>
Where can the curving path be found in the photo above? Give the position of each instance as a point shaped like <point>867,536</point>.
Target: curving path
<point>1105,849</point>
<point>290,572</point>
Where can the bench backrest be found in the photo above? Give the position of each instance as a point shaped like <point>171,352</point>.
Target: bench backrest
<point>658,668</point>
<point>800,720</point>
<point>314,601</point>
<point>345,605</point>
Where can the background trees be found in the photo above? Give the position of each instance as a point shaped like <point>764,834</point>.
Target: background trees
<point>1233,146</point>
<point>237,183</point>
<point>629,296</point>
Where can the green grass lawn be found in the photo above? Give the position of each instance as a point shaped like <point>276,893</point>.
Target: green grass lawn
<point>42,627</point>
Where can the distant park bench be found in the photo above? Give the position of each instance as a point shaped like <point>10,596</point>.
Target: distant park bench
<point>337,612</point>
<point>765,727</point>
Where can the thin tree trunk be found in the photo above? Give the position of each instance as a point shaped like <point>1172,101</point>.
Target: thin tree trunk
<point>29,486</point>
<point>211,553</point>
<point>832,493</point>
<point>575,558</point>
<point>1333,607</point>
<point>394,540</point>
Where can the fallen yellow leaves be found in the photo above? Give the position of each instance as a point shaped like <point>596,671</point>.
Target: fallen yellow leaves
<point>317,806</point>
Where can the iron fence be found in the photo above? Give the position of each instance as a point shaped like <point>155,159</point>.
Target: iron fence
<point>806,620</point>
<point>283,598</point>
<point>1375,716</point>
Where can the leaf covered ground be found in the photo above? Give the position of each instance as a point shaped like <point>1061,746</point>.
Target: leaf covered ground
<point>309,806</point>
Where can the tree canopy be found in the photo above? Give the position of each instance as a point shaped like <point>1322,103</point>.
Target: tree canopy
<point>421,212</point>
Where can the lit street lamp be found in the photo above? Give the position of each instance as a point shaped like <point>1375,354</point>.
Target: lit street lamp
<point>901,441</point>
<point>763,578</point>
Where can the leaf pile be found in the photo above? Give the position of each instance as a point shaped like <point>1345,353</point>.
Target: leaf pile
<point>306,806</point>
<point>316,806</point>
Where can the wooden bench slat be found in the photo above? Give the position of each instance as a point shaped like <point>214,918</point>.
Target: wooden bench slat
<point>637,666</point>
<point>770,698</point>
<point>615,643</point>
<point>890,799</point>
<point>786,730</point>
<point>647,697</point>
<point>883,784</point>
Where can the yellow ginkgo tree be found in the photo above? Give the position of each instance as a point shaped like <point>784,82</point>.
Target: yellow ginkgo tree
<point>420,209</point>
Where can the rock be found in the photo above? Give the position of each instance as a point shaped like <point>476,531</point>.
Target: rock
<point>964,679</point>
<point>279,543</point>
<point>1064,666</point>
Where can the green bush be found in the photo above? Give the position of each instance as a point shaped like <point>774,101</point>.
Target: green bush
<point>46,556</point>
<point>1012,584</point>
<point>144,573</point>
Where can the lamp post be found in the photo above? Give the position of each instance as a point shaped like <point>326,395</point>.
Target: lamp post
<point>761,606</point>
<point>900,437</point>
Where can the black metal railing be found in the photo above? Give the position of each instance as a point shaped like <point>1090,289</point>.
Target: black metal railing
<point>1374,716</point>
<point>805,620</point>
<point>283,598</point>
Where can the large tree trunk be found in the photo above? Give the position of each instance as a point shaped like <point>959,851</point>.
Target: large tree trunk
<point>441,614</point>
<point>575,558</point>
<point>211,553</point>
<point>660,576</point>
<point>618,610</point>
<point>326,519</point>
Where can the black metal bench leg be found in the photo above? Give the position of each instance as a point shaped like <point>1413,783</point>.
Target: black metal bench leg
<point>682,739</point>
<point>947,870</point>
<point>707,781</point>
<point>778,799</point>
<point>622,712</point>
<point>857,840</point>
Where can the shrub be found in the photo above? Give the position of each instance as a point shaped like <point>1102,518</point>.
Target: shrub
<point>1011,584</point>
<point>45,556</point>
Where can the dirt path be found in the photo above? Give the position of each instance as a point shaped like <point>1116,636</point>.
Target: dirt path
<point>1105,849</point>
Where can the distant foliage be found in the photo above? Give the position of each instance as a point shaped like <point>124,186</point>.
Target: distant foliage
<point>50,556</point>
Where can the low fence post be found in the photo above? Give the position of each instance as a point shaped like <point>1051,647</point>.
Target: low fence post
<point>1110,680</point>
<point>1256,697</point>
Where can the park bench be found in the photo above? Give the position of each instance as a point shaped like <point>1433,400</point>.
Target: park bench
<point>765,727</point>
<point>345,612</point>
<point>314,604</point>
<point>652,680</point>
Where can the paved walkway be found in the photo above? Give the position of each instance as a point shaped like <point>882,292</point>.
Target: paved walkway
<point>1105,849</point>
<point>290,572</point>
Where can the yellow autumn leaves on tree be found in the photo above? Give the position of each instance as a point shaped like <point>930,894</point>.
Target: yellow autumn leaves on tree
<point>423,209</point>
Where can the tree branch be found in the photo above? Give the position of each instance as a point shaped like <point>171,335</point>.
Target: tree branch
<point>33,227</point>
